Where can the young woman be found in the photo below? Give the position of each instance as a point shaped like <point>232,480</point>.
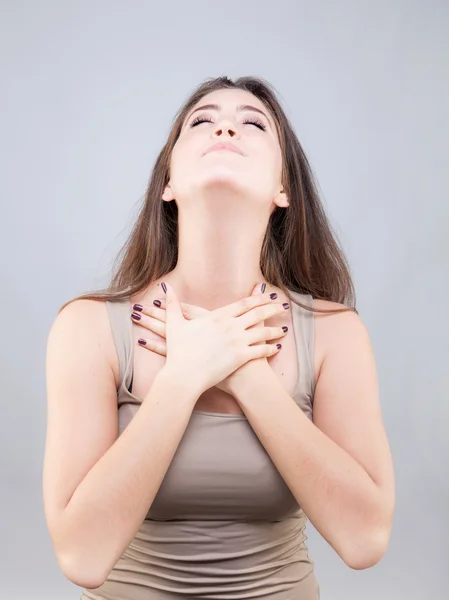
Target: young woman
<point>223,390</point>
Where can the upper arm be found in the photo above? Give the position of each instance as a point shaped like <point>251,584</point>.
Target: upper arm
<point>346,401</point>
<point>82,420</point>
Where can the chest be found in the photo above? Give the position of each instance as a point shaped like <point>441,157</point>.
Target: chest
<point>147,364</point>
<point>221,471</point>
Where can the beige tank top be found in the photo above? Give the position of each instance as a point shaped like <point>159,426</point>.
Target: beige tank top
<point>223,525</point>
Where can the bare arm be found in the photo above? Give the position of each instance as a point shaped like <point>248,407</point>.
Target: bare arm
<point>339,467</point>
<point>98,487</point>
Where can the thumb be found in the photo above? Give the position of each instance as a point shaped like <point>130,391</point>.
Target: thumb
<point>173,310</point>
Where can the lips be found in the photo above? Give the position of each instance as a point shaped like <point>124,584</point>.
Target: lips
<point>224,146</point>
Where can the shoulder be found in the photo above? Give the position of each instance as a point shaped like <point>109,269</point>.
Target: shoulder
<point>337,331</point>
<point>334,324</point>
<point>81,315</point>
<point>84,323</point>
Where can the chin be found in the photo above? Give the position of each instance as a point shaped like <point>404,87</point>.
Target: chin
<point>223,180</point>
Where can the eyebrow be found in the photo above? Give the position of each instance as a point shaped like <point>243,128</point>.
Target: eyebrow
<point>240,108</point>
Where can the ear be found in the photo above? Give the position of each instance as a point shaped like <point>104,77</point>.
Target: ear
<point>281,199</point>
<point>167,194</point>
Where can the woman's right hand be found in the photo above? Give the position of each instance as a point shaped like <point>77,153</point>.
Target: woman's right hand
<point>209,348</point>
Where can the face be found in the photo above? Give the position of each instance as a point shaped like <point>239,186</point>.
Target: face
<point>228,143</point>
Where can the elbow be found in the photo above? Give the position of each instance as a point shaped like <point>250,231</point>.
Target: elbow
<point>367,552</point>
<point>80,559</point>
<point>369,545</point>
<point>82,572</point>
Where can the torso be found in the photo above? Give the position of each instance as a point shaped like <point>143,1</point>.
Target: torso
<point>147,363</point>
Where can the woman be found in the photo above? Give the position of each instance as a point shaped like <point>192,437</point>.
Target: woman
<point>245,380</point>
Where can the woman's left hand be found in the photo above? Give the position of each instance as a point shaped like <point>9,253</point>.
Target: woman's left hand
<point>155,322</point>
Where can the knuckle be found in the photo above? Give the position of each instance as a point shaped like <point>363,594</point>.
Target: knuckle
<point>247,303</point>
<point>242,354</point>
<point>235,336</point>
<point>150,310</point>
<point>265,312</point>
<point>275,309</point>
<point>258,312</point>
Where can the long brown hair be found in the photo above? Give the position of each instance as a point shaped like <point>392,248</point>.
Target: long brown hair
<point>300,252</point>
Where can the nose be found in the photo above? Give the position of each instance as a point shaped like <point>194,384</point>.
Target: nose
<point>226,128</point>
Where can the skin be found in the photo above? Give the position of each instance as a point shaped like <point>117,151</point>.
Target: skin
<point>224,199</point>
<point>224,204</point>
<point>99,486</point>
<point>339,467</point>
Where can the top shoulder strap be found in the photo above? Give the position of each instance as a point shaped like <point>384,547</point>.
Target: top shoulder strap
<point>121,326</point>
<point>304,330</point>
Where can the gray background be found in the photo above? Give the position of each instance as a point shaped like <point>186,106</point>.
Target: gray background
<point>88,93</point>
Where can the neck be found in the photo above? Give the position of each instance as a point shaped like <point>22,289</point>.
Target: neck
<point>218,257</point>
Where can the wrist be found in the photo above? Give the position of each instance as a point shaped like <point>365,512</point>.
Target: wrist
<point>250,376</point>
<point>187,386</point>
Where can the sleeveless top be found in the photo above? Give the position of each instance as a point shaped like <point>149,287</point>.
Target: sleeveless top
<point>223,525</point>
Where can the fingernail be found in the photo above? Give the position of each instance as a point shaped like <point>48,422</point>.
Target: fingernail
<point>164,287</point>
<point>285,328</point>
<point>138,307</point>
<point>262,288</point>
<point>273,296</point>
<point>157,302</point>
<point>286,305</point>
<point>142,341</point>
<point>136,316</point>
<point>278,346</point>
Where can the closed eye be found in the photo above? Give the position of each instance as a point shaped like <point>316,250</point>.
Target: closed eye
<point>199,120</point>
<point>256,122</point>
<point>249,121</point>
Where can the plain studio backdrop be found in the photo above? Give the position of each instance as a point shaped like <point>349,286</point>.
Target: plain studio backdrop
<point>89,90</point>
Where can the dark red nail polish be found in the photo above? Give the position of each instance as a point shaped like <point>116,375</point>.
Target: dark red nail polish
<point>156,302</point>
<point>164,287</point>
<point>285,328</point>
<point>278,346</point>
<point>142,341</point>
<point>262,288</point>
<point>286,305</point>
<point>138,307</point>
<point>136,316</point>
<point>273,296</point>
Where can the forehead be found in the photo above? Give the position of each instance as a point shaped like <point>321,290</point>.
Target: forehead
<point>230,97</point>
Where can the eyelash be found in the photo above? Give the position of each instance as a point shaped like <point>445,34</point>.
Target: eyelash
<point>251,121</point>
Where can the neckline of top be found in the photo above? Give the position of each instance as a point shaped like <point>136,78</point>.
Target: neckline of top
<point>204,413</point>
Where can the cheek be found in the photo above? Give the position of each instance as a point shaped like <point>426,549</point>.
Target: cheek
<point>268,164</point>
<point>180,163</point>
<point>276,164</point>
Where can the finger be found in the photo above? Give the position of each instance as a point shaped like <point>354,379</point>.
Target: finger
<point>259,288</point>
<point>190,311</point>
<point>151,310</point>
<point>173,307</point>
<point>261,313</point>
<point>263,334</point>
<point>240,307</point>
<point>158,347</point>
<point>150,323</point>
<point>262,351</point>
